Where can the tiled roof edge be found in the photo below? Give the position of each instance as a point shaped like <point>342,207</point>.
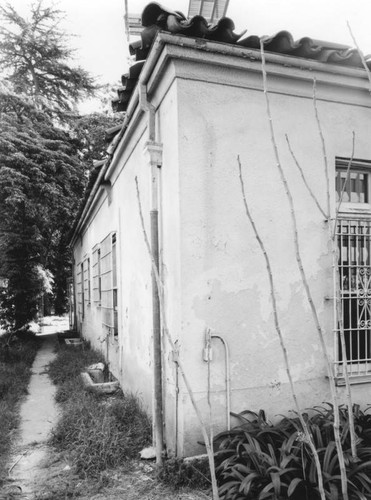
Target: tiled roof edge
<point>157,18</point>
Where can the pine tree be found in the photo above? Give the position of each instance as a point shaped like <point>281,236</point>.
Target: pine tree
<point>35,57</point>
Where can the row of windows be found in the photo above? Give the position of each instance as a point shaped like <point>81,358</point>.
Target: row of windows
<point>98,283</point>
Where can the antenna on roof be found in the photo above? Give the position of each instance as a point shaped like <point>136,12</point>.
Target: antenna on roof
<point>211,10</point>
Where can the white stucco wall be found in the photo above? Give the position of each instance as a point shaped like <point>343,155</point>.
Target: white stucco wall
<point>210,108</point>
<point>130,354</point>
<point>224,281</point>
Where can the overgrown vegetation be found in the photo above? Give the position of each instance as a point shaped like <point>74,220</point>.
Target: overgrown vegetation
<point>98,432</point>
<point>191,473</point>
<point>17,353</point>
<point>265,461</point>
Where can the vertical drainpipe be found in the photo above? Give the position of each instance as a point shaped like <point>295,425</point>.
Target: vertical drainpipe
<point>153,151</point>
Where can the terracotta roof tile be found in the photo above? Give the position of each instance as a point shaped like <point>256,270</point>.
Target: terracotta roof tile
<point>156,17</point>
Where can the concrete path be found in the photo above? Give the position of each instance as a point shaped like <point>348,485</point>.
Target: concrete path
<point>39,415</point>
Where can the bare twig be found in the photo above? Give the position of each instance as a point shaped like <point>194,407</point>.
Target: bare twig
<point>339,310</point>
<point>344,186</point>
<point>160,289</point>
<point>18,460</point>
<point>339,316</point>
<point>305,180</point>
<point>324,153</point>
<point>304,277</point>
<point>308,436</point>
<point>364,63</point>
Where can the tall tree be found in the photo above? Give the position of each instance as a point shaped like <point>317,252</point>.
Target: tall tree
<point>35,57</point>
<point>41,183</point>
<point>41,170</point>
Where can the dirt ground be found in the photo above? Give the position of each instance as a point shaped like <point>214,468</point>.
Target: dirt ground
<point>55,480</point>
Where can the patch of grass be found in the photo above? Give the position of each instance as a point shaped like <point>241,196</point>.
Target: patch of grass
<point>70,362</point>
<point>17,353</point>
<point>190,473</point>
<point>98,432</point>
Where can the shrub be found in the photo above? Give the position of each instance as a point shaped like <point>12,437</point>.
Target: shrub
<point>70,362</point>
<point>99,432</point>
<point>265,461</point>
<point>178,473</point>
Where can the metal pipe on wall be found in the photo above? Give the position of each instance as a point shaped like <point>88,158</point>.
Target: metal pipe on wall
<point>154,151</point>
<point>227,376</point>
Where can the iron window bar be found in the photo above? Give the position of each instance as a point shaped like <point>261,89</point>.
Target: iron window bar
<point>354,244</point>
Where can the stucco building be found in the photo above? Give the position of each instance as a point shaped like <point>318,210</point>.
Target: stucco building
<point>196,105</point>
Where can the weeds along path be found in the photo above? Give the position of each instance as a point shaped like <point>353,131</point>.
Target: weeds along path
<point>38,415</point>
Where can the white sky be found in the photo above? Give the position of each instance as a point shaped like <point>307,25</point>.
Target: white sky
<point>101,42</point>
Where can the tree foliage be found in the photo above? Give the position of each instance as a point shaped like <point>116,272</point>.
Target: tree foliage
<point>90,131</point>
<point>41,183</point>
<point>44,159</point>
<point>35,57</point>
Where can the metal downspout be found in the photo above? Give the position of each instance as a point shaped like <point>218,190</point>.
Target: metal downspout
<point>154,152</point>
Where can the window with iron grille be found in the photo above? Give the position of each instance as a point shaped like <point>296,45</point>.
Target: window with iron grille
<point>353,235</point>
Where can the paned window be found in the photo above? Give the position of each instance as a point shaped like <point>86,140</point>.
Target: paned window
<point>114,285</point>
<point>87,281</point>
<point>80,291</point>
<point>109,290</point>
<point>97,280</point>
<point>354,185</point>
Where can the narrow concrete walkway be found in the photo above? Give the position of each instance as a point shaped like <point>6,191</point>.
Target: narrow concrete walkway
<point>39,415</point>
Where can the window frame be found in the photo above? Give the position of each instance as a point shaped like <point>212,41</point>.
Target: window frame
<point>353,241</point>
<point>360,166</point>
<point>96,276</point>
<point>109,284</point>
<point>87,281</point>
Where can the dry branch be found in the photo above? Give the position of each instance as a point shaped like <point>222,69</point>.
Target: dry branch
<point>361,56</point>
<point>344,185</point>
<point>160,289</point>
<point>326,216</point>
<point>324,153</point>
<point>304,277</point>
<point>339,311</point>
<point>307,434</point>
